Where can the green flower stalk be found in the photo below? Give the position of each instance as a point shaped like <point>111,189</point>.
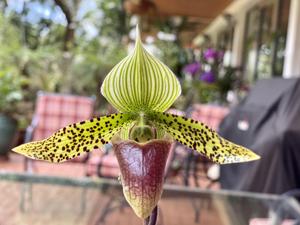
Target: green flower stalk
<point>141,88</point>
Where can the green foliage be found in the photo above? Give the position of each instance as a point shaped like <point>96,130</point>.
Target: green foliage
<point>195,91</point>
<point>228,81</point>
<point>10,47</point>
<point>10,92</point>
<point>114,23</point>
<point>170,53</point>
<point>33,50</point>
<point>208,80</point>
<point>91,63</point>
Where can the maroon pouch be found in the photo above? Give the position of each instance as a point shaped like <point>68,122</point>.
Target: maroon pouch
<point>142,172</point>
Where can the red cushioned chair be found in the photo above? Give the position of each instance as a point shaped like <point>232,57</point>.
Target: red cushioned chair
<point>211,115</point>
<point>103,163</point>
<point>54,111</point>
<point>196,164</point>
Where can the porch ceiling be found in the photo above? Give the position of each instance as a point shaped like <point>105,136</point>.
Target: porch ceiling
<point>198,13</point>
<point>206,9</point>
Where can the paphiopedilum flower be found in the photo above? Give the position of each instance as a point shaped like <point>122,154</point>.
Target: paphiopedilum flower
<point>141,88</point>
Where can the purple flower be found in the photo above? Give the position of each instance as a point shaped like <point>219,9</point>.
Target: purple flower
<point>211,54</point>
<point>208,77</point>
<point>192,68</point>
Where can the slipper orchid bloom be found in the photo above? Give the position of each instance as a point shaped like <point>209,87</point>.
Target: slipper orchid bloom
<point>141,88</point>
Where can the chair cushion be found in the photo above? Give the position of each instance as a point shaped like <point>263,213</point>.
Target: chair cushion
<point>211,115</point>
<point>107,164</point>
<point>54,111</point>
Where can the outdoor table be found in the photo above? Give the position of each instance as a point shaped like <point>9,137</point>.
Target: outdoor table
<point>35,199</point>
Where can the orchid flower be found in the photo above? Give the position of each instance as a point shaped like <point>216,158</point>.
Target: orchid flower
<point>141,88</point>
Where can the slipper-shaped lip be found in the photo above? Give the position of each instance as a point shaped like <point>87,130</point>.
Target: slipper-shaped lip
<point>142,172</point>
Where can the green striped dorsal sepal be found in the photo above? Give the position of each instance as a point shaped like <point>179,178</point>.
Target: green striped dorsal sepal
<point>74,139</point>
<point>201,138</point>
<point>141,83</point>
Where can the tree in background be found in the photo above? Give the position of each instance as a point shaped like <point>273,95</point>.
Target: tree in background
<point>61,45</point>
<point>67,29</point>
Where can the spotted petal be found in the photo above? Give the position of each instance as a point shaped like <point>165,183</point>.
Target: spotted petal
<point>72,140</point>
<point>140,82</point>
<point>201,138</point>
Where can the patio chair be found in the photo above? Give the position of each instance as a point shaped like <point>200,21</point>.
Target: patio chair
<point>103,163</point>
<point>52,112</point>
<point>195,164</point>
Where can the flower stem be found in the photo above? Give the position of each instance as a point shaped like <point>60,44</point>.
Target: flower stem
<point>152,219</point>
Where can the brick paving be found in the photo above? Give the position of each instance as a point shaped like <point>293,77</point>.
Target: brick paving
<point>62,205</point>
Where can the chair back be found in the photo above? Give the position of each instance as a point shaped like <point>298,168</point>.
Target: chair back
<point>211,115</point>
<point>54,111</point>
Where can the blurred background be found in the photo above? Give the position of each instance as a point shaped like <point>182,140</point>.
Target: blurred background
<point>237,62</point>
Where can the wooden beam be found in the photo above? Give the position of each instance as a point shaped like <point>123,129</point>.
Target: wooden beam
<point>199,13</point>
<point>197,8</point>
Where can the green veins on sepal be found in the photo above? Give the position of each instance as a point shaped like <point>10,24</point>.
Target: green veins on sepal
<point>141,83</point>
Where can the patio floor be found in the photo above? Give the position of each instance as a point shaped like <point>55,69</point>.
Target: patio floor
<point>56,205</point>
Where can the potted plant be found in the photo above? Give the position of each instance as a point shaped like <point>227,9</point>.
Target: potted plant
<point>208,80</point>
<point>10,96</point>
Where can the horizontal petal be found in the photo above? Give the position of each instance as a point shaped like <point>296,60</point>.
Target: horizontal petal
<point>74,139</point>
<point>201,138</point>
<point>140,82</point>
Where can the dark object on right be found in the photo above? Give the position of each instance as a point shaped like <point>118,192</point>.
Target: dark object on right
<point>267,121</point>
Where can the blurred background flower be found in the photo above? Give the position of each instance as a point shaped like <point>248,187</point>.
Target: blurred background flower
<point>208,77</point>
<point>192,68</point>
<point>211,54</point>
